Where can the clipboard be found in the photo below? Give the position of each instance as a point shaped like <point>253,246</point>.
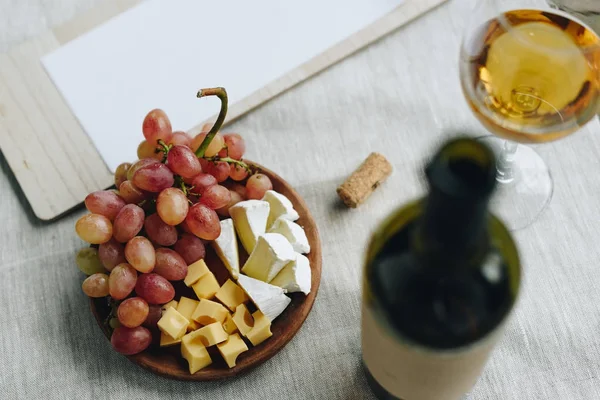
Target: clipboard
<point>54,160</point>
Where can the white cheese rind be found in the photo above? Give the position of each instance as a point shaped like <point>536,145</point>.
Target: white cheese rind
<point>269,299</point>
<point>226,247</point>
<point>293,233</point>
<point>281,207</point>
<point>250,221</point>
<point>295,277</point>
<point>271,253</point>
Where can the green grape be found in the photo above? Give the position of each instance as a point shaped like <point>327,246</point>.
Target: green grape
<point>88,261</point>
<point>114,323</point>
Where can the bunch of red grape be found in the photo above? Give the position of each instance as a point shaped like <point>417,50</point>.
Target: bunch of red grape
<point>166,207</point>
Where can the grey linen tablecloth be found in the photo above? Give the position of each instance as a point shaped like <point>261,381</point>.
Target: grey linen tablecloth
<point>401,97</point>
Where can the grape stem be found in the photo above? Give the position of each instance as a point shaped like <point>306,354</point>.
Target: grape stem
<point>165,148</point>
<point>222,95</point>
<point>229,160</point>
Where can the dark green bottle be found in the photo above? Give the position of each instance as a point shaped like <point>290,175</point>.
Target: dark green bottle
<point>441,276</point>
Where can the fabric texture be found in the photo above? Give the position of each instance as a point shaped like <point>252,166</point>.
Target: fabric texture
<point>401,97</point>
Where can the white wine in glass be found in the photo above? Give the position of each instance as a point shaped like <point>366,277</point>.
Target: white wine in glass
<point>530,75</point>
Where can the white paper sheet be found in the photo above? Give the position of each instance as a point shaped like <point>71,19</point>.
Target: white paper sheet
<point>158,54</point>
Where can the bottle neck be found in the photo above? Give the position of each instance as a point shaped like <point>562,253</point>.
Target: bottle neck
<point>453,227</point>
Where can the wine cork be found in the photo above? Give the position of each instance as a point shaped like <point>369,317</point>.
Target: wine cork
<point>371,173</point>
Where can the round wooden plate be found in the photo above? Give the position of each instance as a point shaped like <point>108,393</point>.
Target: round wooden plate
<point>167,361</point>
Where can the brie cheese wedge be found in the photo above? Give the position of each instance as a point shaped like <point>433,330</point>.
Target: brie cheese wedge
<point>226,247</point>
<point>293,233</point>
<point>269,299</point>
<point>281,207</point>
<point>271,253</point>
<point>295,277</point>
<point>250,221</point>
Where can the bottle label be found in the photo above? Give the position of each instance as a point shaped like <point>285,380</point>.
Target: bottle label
<point>411,372</point>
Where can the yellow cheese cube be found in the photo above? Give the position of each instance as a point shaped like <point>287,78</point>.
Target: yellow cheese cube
<point>261,329</point>
<point>186,308</point>
<point>231,295</point>
<point>229,325</point>
<point>195,271</point>
<point>193,326</point>
<point>173,324</point>
<point>231,349</point>
<point>210,334</point>
<point>166,340</point>
<point>172,303</point>
<point>209,312</point>
<point>195,353</point>
<point>206,287</point>
<point>242,319</point>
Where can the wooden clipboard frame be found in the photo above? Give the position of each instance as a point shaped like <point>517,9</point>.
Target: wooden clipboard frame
<point>54,160</point>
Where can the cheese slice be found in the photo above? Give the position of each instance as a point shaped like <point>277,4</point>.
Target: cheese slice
<point>195,271</point>
<point>269,299</point>
<point>186,308</point>
<point>226,247</point>
<point>293,233</point>
<point>173,323</point>
<point>231,349</point>
<point>261,330</point>
<point>195,353</point>
<point>281,207</point>
<point>231,295</point>
<point>229,325</point>
<point>272,252</point>
<point>250,221</point>
<point>295,277</point>
<point>242,319</point>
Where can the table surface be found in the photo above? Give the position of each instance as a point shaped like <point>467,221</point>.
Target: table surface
<point>401,96</point>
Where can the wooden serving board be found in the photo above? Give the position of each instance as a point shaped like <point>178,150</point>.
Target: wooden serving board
<point>52,157</point>
<point>168,362</point>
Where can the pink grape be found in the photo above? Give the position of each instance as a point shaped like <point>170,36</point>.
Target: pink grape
<point>182,161</point>
<point>213,148</point>
<point>133,312</point>
<point>237,187</point>
<point>121,281</point>
<point>216,196</point>
<point>154,289</point>
<point>121,173</point>
<point>154,315</point>
<point>190,248</point>
<point>257,186</point>
<point>236,146</point>
<point>172,206</point>
<point>96,285</point>
<point>111,254</point>
<point>148,150</point>
<point>140,254</point>
<point>139,164</point>
<point>170,265</point>
<point>130,193</point>
<point>128,223</point>
<point>184,227</point>
<point>159,232</point>
<point>104,202</point>
<point>203,222</point>
<point>180,138</point>
<point>235,198</point>
<point>153,177</point>
<point>201,182</point>
<point>219,169</point>
<point>157,126</point>
<point>237,173</point>
<point>129,341</point>
<point>94,228</point>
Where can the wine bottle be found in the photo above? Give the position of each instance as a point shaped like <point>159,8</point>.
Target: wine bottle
<point>441,276</point>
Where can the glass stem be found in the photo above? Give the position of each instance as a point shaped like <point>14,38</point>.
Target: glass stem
<point>504,165</point>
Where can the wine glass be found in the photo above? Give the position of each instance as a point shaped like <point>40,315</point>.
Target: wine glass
<point>531,75</point>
